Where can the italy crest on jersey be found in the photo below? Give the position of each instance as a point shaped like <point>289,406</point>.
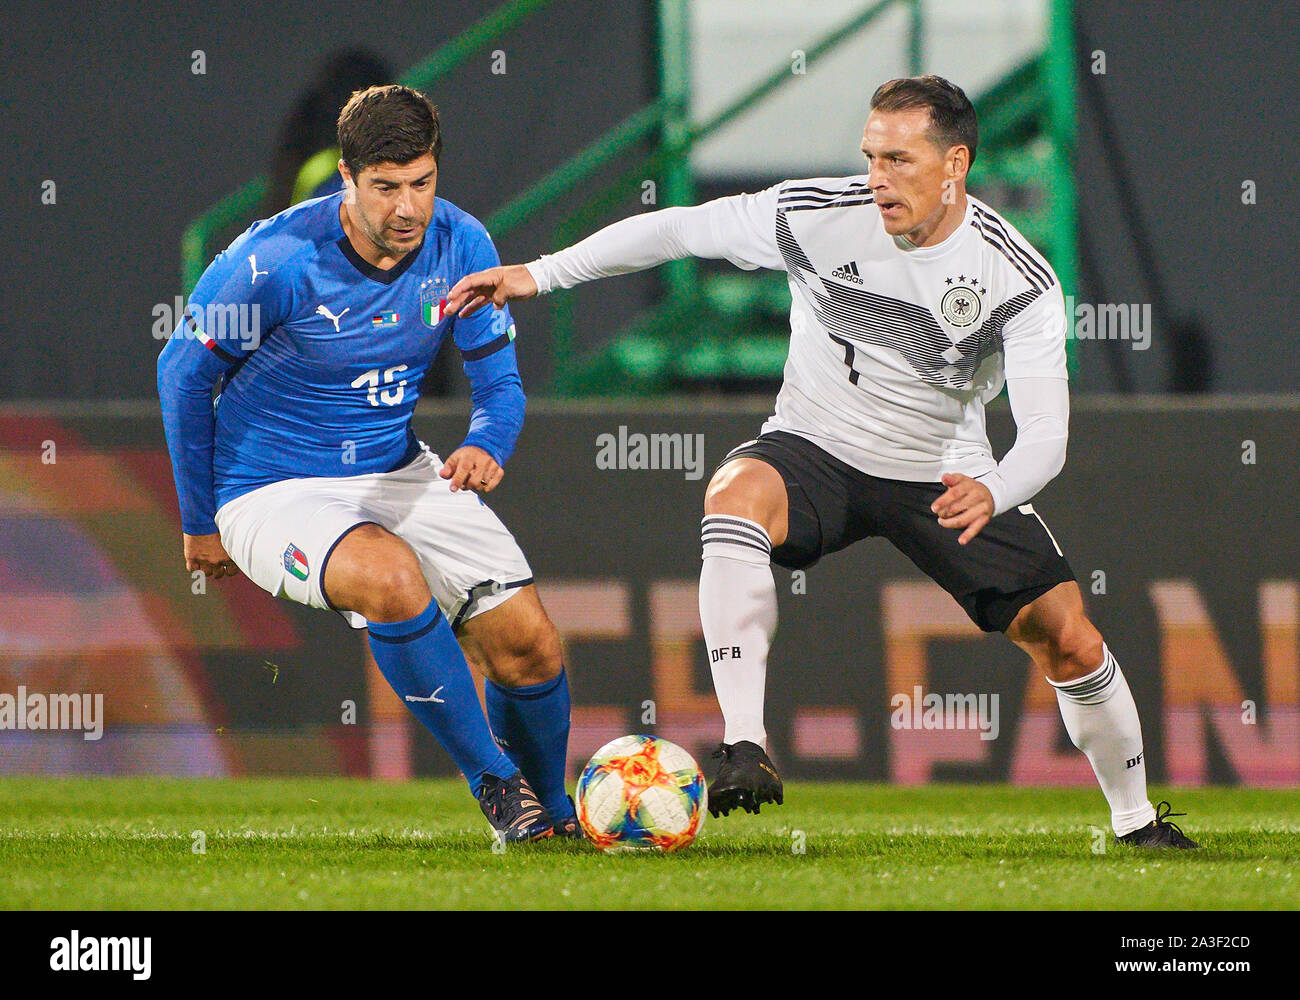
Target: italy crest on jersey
<point>433,299</point>
<point>295,561</point>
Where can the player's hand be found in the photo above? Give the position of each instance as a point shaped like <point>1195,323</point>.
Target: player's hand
<point>967,503</point>
<point>206,552</point>
<point>497,285</point>
<point>471,468</point>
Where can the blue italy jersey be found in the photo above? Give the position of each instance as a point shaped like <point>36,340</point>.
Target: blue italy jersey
<point>321,355</point>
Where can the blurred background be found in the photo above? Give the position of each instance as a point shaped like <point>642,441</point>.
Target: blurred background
<point>1140,146</point>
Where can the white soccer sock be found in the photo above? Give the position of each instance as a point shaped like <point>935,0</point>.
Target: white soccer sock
<point>738,612</point>
<point>1102,721</point>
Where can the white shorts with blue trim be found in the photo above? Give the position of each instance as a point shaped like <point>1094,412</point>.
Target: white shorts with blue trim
<point>281,536</point>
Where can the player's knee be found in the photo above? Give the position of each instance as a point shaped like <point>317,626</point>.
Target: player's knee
<point>530,655</point>
<point>543,658</point>
<point>726,494</point>
<point>741,492</point>
<point>1075,647</point>
<point>397,588</point>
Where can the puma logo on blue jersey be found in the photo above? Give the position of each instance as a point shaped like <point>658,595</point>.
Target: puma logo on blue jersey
<point>324,311</point>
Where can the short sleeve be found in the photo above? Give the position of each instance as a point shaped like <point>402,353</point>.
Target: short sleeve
<point>1033,340</point>
<point>744,230</point>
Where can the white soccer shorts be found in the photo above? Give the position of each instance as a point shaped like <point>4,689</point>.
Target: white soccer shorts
<point>281,536</point>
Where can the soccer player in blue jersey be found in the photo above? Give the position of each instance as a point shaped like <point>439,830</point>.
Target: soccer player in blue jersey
<point>319,324</point>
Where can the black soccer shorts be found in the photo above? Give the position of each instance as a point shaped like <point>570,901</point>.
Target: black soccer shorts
<point>1013,560</point>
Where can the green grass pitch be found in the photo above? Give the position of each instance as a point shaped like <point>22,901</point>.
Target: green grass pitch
<point>351,844</point>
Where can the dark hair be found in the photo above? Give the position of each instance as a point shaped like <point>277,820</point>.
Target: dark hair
<point>389,124</point>
<point>952,116</point>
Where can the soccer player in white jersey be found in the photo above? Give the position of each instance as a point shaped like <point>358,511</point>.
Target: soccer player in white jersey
<point>913,303</point>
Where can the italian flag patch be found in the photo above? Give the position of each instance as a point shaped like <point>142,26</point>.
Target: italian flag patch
<point>433,311</point>
<point>295,561</point>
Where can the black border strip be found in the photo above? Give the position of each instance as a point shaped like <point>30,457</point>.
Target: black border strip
<point>326,561</point>
<point>212,345</point>
<point>471,598</point>
<point>841,203</point>
<point>376,273</point>
<point>483,350</point>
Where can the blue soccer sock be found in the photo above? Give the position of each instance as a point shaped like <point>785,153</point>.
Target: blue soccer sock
<point>421,659</point>
<point>532,722</point>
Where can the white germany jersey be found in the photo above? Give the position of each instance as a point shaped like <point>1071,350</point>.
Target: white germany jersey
<point>895,350</point>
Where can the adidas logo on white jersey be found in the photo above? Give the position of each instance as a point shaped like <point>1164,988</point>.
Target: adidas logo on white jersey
<point>848,272</point>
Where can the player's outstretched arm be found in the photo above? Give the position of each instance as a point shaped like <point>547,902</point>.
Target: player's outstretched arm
<point>740,229</point>
<point>497,285</point>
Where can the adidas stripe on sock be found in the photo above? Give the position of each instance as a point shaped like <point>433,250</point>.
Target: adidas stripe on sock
<point>1102,720</point>
<point>738,611</point>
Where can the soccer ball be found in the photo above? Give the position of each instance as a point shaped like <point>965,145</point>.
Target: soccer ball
<point>641,793</point>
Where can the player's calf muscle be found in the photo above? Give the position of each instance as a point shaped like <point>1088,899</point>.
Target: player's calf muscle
<point>748,488</point>
<point>1056,632</point>
<point>1075,648</point>
<point>532,657</point>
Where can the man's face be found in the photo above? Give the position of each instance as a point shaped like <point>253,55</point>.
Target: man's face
<point>394,202</point>
<point>914,181</point>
